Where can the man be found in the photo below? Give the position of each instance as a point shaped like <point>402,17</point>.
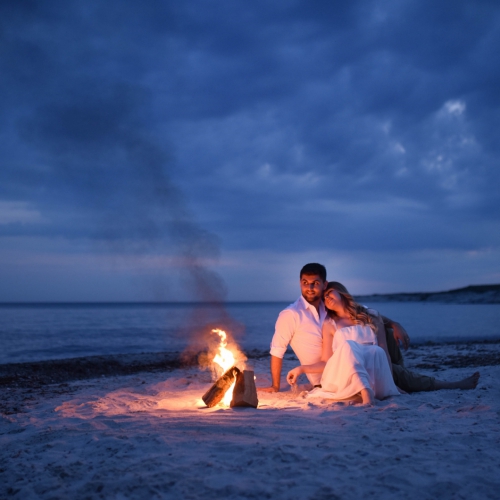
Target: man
<point>300,324</point>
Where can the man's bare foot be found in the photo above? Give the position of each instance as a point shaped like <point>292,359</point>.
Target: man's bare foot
<point>469,382</point>
<point>367,397</point>
<point>466,383</point>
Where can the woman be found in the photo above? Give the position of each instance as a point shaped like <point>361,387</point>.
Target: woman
<point>355,359</point>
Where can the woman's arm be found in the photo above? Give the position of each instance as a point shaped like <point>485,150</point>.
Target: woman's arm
<point>382,342</point>
<point>327,333</point>
<point>294,374</point>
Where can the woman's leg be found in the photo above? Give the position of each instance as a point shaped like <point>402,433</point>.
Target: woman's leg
<point>367,397</point>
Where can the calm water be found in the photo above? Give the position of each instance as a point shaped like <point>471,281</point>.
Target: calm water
<point>37,332</point>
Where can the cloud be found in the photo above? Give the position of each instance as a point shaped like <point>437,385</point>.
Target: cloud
<point>18,212</point>
<point>278,127</point>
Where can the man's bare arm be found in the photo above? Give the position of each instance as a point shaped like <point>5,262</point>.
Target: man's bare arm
<point>276,365</point>
<point>400,334</point>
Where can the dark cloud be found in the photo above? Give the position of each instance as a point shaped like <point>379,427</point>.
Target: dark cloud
<point>289,126</point>
<point>98,172</point>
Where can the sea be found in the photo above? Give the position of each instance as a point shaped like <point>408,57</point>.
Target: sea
<point>36,332</point>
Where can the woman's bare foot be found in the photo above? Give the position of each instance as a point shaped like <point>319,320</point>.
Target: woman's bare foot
<point>466,383</point>
<point>367,397</point>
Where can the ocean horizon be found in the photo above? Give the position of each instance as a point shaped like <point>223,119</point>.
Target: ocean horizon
<point>37,331</point>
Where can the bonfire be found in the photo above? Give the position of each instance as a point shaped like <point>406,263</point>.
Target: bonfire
<point>233,387</point>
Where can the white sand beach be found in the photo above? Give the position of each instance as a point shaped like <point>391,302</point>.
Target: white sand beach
<point>151,436</point>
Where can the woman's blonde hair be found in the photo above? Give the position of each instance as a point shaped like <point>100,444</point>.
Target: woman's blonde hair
<point>356,311</point>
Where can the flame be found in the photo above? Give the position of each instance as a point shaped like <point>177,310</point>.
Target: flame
<point>225,359</point>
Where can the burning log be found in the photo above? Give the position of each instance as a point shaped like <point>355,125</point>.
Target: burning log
<point>221,386</point>
<point>245,392</point>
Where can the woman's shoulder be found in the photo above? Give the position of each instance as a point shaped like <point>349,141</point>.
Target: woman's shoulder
<point>329,324</point>
<point>333,323</point>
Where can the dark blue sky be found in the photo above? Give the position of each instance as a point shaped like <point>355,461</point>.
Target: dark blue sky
<point>146,146</point>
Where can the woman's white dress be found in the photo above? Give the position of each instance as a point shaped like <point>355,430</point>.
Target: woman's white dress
<point>357,363</point>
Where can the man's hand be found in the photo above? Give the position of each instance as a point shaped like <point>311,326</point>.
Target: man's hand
<point>401,335</point>
<point>268,389</point>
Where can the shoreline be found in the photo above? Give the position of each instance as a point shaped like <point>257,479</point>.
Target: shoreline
<point>472,294</point>
<point>32,374</point>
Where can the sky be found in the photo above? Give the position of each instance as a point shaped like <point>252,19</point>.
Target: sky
<point>207,150</point>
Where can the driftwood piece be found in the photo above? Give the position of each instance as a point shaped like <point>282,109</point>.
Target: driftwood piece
<point>245,392</point>
<point>217,391</point>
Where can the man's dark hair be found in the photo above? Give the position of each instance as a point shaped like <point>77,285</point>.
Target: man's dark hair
<point>314,268</point>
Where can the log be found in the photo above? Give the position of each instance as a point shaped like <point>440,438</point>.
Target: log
<point>215,394</point>
<point>245,392</point>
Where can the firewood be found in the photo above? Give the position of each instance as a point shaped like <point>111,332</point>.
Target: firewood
<point>215,394</point>
<point>245,392</point>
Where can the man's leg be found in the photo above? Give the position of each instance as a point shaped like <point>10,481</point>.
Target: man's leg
<point>411,381</point>
<point>405,379</point>
<point>393,348</point>
<point>466,383</point>
<point>416,382</point>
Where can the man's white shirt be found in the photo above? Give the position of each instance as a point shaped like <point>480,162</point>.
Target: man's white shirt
<point>299,326</point>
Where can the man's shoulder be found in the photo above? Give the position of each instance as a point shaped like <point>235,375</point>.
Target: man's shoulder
<point>292,310</point>
<point>372,311</point>
<point>294,306</point>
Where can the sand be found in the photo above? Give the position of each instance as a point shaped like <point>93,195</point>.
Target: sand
<point>150,436</point>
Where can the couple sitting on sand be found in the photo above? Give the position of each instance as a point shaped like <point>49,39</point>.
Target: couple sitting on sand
<point>345,349</point>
